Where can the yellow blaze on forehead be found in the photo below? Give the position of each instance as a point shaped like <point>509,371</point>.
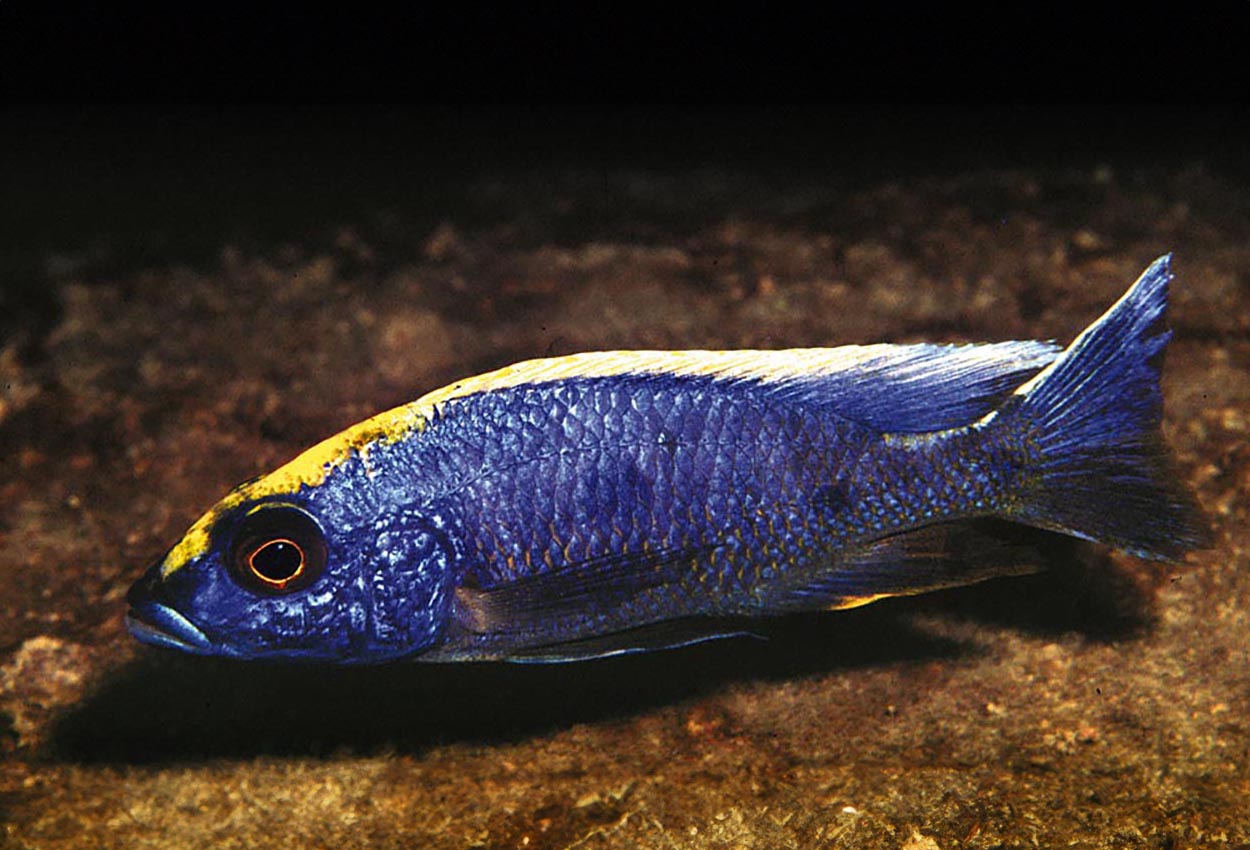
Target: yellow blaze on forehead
<point>311,467</point>
<point>308,469</point>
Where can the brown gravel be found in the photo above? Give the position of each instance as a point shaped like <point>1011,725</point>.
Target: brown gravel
<point>1101,706</point>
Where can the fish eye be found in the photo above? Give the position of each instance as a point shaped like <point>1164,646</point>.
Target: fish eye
<point>278,550</point>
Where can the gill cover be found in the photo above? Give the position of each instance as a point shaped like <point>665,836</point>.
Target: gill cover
<point>285,580</point>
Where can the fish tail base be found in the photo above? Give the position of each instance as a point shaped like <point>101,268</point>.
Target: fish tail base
<point>1093,419</point>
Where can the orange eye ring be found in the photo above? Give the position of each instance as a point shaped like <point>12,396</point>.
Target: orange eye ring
<point>277,562</point>
<point>278,550</point>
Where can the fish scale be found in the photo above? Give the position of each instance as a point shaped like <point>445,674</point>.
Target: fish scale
<point>611,502</point>
<point>702,492</point>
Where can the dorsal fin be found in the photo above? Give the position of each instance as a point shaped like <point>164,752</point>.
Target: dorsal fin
<point>922,387</point>
<point>891,388</point>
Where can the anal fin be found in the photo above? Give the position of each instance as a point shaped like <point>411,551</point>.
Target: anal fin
<point>930,558</point>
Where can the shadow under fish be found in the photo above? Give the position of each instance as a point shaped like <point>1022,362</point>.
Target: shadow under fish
<point>164,708</point>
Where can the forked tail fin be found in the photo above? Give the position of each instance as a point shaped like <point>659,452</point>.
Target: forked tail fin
<point>1094,414</point>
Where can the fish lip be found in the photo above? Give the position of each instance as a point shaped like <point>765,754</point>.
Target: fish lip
<point>155,622</point>
<point>160,625</point>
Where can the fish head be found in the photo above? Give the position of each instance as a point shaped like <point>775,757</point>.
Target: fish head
<point>309,572</point>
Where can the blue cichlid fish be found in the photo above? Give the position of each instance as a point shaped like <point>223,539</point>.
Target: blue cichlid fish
<point>618,501</point>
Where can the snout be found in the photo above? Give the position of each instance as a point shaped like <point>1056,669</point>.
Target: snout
<point>152,618</point>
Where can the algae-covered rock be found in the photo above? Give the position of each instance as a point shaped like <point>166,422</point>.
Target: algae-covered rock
<point>1099,705</point>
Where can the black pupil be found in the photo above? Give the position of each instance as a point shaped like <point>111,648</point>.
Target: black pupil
<point>277,560</point>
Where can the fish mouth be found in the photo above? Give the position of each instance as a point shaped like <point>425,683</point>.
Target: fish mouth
<point>154,622</point>
<point>160,625</point>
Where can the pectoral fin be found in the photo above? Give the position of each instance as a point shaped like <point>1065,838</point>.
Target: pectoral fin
<point>532,603</point>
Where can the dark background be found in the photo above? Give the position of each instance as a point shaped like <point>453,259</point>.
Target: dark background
<point>466,187</point>
<point>553,54</point>
<point>153,133</point>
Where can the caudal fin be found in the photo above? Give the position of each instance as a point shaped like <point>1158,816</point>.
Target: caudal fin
<point>1094,413</point>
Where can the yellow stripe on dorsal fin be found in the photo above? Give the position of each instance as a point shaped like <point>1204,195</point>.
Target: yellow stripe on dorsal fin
<point>311,467</point>
<point>866,371</point>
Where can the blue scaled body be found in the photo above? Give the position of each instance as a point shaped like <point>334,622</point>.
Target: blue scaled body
<point>619,501</point>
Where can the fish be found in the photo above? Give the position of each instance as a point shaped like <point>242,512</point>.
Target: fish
<point>612,502</point>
